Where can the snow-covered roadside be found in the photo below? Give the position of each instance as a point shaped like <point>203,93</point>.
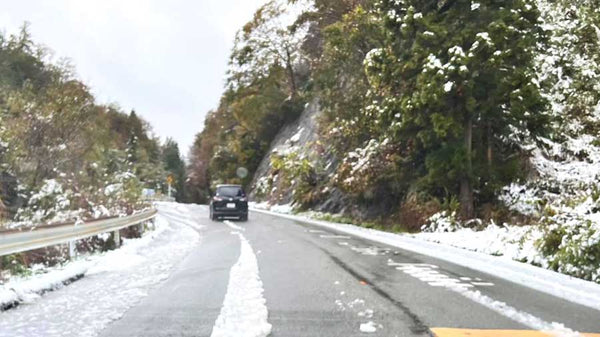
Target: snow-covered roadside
<point>513,242</point>
<point>113,282</point>
<point>560,285</point>
<point>30,288</point>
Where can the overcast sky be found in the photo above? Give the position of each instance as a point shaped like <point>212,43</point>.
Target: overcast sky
<point>164,58</point>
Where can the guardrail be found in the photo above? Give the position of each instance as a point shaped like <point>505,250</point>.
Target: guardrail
<point>16,242</point>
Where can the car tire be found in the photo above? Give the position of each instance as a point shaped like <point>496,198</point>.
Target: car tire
<point>244,217</point>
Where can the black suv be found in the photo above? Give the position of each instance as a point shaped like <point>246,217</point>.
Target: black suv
<point>229,200</point>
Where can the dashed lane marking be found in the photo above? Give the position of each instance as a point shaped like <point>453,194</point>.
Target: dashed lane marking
<point>430,274</point>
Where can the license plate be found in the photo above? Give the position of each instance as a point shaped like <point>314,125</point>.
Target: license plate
<point>230,205</point>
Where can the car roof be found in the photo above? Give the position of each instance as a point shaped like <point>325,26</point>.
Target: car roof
<point>229,185</point>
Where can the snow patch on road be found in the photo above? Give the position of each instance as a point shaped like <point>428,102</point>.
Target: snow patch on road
<point>368,313</point>
<point>368,327</point>
<point>553,329</point>
<point>244,312</point>
<point>234,226</point>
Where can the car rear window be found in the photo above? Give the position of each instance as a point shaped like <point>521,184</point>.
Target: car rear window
<point>230,191</point>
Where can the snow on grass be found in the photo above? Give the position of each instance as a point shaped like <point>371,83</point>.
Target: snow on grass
<point>114,281</point>
<point>513,242</point>
<point>244,312</point>
<point>569,288</point>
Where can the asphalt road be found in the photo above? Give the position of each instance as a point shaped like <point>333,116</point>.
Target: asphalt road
<point>321,283</point>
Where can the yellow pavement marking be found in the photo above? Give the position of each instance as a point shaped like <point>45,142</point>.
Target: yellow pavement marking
<point>448,332</point>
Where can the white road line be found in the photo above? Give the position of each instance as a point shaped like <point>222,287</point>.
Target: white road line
<point>244,312</point>
<point>429,274</point>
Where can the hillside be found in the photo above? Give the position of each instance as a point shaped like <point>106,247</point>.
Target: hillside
<point>64,157</point>
<point>473,123</point>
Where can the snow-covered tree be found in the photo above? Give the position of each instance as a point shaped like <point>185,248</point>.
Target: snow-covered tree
<point>458,85</point>
<point>269,39</point>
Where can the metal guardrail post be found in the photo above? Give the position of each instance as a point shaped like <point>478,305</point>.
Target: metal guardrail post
<point>72,243</point>
<point>116,236</point>
<point>72,249</point>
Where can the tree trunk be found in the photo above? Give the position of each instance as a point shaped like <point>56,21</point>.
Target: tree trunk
<point>290,70</point>
<point>489,147</point>
<point>466,189</point>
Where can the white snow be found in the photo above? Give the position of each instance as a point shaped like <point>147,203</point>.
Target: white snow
<point>373,251</point>
<point>27,290</point>
<point>296,137</point>
<point>283,209</point>
<point>114,281</point>
<point>368,313</point>
<point>553,329</point>
<point>233,226</point>
<point>244,312</point>
<point>513,242</point>
<point>430,274</point>
<point>368,327</point>
<point>448,86</point>
<point>547,281</point>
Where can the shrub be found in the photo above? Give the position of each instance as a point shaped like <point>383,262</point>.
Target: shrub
<point>442,222</point>
<point>572,246</point>
<point>293,171</point>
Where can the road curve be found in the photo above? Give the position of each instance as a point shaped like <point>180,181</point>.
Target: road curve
<point>321,283</point>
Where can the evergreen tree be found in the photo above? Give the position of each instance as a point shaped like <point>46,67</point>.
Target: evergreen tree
<point>457,78</point>
<point>175,166</point>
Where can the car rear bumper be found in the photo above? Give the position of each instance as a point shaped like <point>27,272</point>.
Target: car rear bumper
<point>230,212</point>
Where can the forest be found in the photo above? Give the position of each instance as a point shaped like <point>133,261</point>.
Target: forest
<point>64,156</point>
<point>441,96</point>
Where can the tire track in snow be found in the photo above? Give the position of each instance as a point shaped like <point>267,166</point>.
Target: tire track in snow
<point>244,312</point>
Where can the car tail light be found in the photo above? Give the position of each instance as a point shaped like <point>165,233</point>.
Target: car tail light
<point>217,199</point>
<point>244,199</point>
